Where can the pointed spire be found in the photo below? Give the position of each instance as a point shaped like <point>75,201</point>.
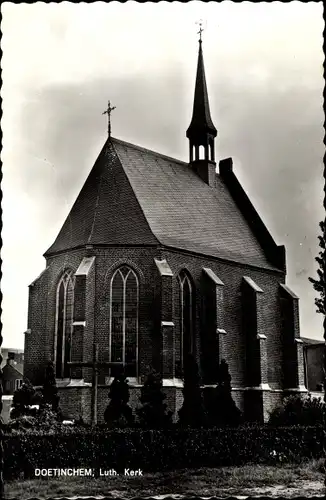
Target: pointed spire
<point>201,132</point>
<point>201,123</point>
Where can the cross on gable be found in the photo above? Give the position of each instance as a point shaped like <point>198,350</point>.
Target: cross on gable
<point>108,112</point>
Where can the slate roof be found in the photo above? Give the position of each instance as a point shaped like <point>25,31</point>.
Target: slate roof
<point>106,210</point>
<point>11,373</point>
<point>134,196</point>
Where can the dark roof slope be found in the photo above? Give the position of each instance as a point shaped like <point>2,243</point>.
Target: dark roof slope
<point>106,210</point>
<point>136,196</point>
<point>184,212</point>
<point>11,372</point>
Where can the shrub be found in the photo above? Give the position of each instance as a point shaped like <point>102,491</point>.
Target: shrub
<point>226,412</point>
<point>50,413</point>
<point>296,410</point>
<point>30,409</point>
<point>153,413</point>
<point>23,399</point>
<point>80,423</point>
<point>50,391</point>
<point>42,420</point>
<point>47,417</point>
<point>118,413</point>
<point>157,450</point>
<point>192,413</point>
<point>22,423</point>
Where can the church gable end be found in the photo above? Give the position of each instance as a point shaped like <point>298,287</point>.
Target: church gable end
<point>101,215</point>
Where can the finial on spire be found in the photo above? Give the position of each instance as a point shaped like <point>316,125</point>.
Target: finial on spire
<point>108,112</point>
<point>200,22</point>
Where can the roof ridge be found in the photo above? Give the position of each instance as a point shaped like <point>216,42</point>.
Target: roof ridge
<point>150,151</point>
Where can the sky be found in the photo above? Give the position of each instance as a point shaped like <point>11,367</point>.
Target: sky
<point>62,62</point>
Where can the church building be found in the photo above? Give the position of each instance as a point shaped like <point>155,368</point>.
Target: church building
<point>158,258</point>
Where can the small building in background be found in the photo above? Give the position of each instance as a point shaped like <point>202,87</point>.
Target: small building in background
<point>313,363</point>
<point>13,370</point>
<point>18,357</point>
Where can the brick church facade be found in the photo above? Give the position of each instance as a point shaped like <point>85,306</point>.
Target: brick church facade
<point>157,258</point>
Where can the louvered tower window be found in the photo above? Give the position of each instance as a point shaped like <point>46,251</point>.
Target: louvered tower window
<point>64,320</point>
<point>124,304</point>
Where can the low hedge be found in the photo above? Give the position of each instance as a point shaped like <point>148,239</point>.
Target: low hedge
<point>158,450</point>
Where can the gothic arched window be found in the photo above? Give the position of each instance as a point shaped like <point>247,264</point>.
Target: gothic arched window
<point>187,320</point>
<point>64,320</point>
<point>124,303</point>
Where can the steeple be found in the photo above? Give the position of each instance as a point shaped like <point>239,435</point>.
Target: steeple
<point>201,132</point>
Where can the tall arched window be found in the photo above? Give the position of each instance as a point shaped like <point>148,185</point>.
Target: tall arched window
<point>187,320</point>
<point>64,320</point>
<point>124,303</point>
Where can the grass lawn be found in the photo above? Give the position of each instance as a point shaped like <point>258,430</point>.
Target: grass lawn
<point>287,480</point>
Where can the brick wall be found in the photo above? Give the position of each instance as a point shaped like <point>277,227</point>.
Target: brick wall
<point>314,356</point>
<point>292,346</point>
<point>271,400</point>
<point>39,344</point>
<point>42,305</point>
<point>89,331</point>
<point>74,401</point>
<point>233,343</point>
<point>212,319</point>
<point>250,307</point>
<point>37,348</point>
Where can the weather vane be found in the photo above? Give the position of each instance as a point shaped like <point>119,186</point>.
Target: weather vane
<point>108,112</point>
<point>200,22</point>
